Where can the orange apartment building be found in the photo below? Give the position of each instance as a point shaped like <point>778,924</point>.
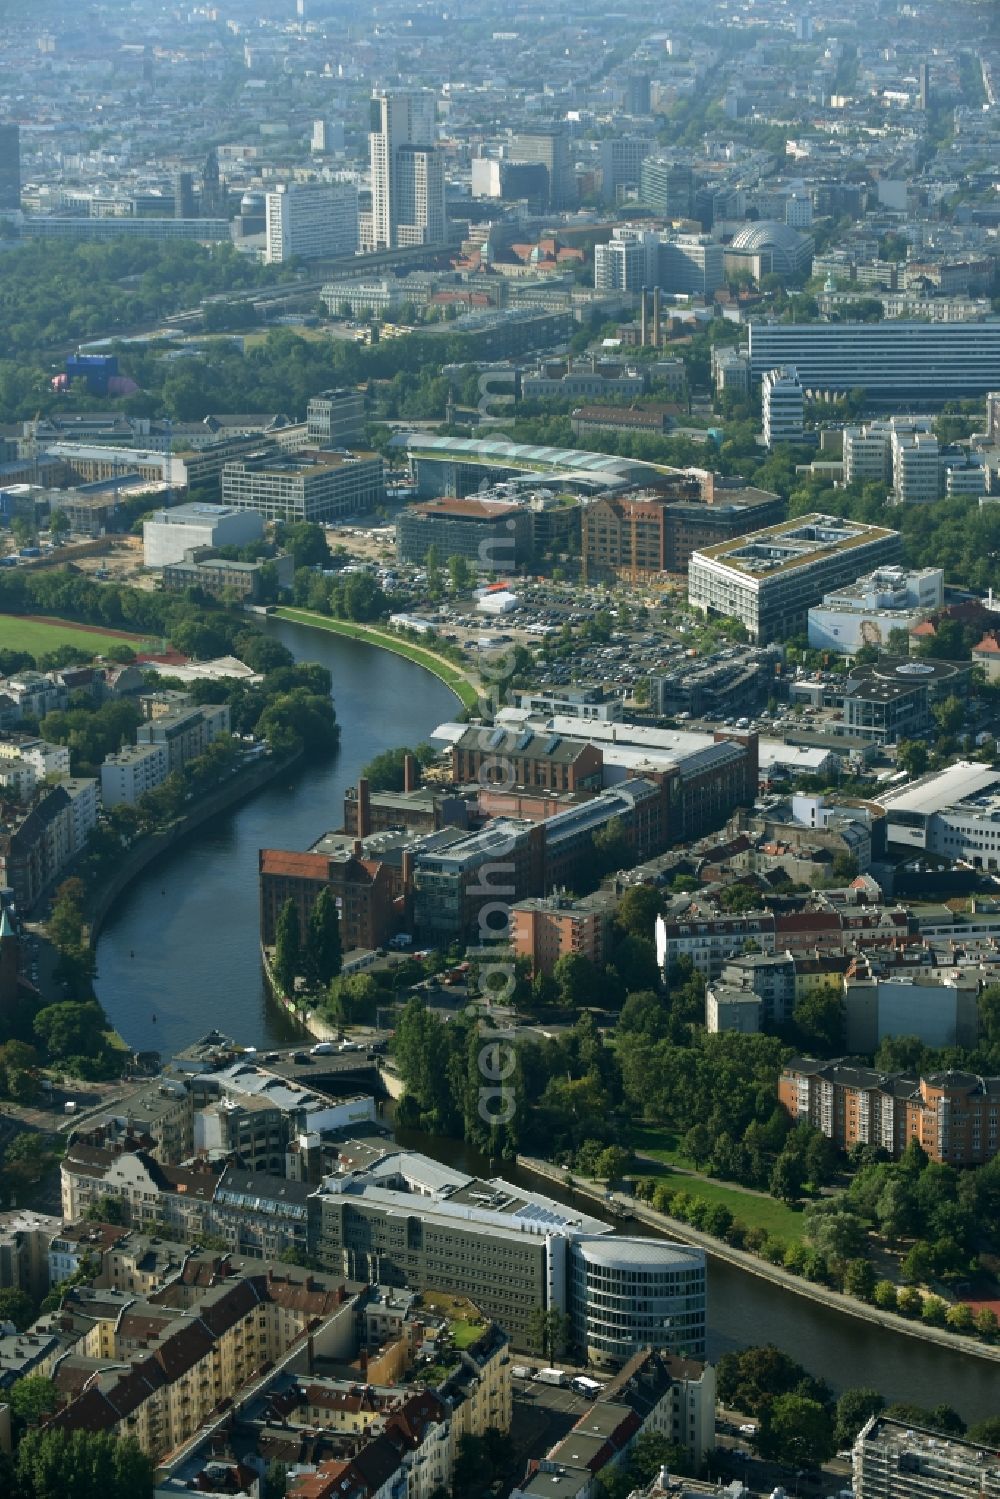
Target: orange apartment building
<point>954,1116</point>
<point>545,929</point>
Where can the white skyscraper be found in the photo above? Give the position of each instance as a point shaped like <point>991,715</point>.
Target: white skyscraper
<point>407,172</point>
<point>312,220</point>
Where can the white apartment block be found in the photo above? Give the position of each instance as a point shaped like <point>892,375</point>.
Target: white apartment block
<point>133,771</point>
<point>311,221</point>
<point>186,734</point>
<point>916,468</point>
<point>782,402</point>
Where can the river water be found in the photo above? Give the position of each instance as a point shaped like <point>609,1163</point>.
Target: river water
<point>178,955</point>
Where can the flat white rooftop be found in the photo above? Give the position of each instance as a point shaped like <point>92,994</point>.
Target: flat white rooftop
<point>935,792</point>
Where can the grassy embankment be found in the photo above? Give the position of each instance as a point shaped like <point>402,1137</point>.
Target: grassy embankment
<point>461,685</point>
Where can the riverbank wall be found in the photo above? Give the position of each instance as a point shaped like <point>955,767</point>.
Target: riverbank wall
<point>463,686</point>
<point>620,1204</point>
<point>150,848</point>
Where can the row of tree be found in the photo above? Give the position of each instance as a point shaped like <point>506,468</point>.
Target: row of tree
<point>315,955</point>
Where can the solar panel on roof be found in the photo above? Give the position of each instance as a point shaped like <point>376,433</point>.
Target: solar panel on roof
<point>523,740</point>
<point>553,743</point>
<point>496,738</point>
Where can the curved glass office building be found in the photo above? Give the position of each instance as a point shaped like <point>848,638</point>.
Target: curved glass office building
<point>630,1293</point>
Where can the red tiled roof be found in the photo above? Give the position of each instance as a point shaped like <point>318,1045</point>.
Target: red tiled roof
<point>295,866</point>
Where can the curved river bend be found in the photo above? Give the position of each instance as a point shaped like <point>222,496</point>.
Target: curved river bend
<point>181,945</point>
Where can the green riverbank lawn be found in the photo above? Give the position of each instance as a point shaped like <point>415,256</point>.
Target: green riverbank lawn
<point>754,1209</point>
<point>441,667</point>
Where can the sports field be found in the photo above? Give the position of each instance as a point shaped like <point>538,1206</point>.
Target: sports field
<point>20,632</point>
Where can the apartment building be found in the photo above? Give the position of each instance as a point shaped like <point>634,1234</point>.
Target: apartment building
<point>171,1365</point>
<point>953,1116</point>
<point>769,579</point>
<point>312,485</point>
<point>545,929</point>
<point>131,772</point>
<point>186,733</point>
<point>37,844</point>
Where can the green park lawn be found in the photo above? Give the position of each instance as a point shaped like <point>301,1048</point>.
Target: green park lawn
<point>755,1210</point>
<point>38,637</point>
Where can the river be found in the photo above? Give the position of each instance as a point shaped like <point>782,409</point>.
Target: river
<point>181,945</point>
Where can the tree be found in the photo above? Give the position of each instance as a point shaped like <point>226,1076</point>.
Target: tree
<point>54,1463</point>
<point>306,541</point>
<point>32,1398</point>
<point>819,1022</point>
<point>59,525</point>
<point>961,1318</point>
<point>853,1409</point>
<point>433,565</point>
<point>833,1229</point>
<point>71,1030</point>
<point>611,1163</point>
<point>287,947</point>
<point>885,1295</point>
<point>106,1210</point>
<point>913,756</point>
<point>987,1324</point>
<point>638,909</point>
<point>787,1177</point>
<point>796,1430</point>
<point>985,1432</point>
<point>324,953</point>
<point>859,1279</point>
<point>577,981</point>
<point>697,1144</point>
<point>949,714</point>
<point>386,771</point>
<point>461,574</point>
<point>16,1306</point>
<point>548,1332</point>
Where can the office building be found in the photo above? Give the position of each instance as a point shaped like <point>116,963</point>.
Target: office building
<point>185,203</point>
<point>782,403</point>
<point>313,485</point>
<point>495,536</point>
<point>865,612</point>
<point>549,147</point>
<point>893,360</point>
<point>770,579</point>
<point>311,221</point>
<point>229,578</point>
<point>799,211</point>
<point>890,699</point>
<point>637,94</point>
<point>666,187</point>
<point>621,163</point>
<point>642,535</point>
<point>690,264</point>
<point>54,226</point>
<point>169,534</point>
<point>628,262</point>
<point>134,770</point>
<point>952,1115</point>
<point>335,418</point>
<point>954,813</point>
<point>10,168</point>
<point>897,1460</point>
<point>406,171</point>
<point>407,1220</point>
